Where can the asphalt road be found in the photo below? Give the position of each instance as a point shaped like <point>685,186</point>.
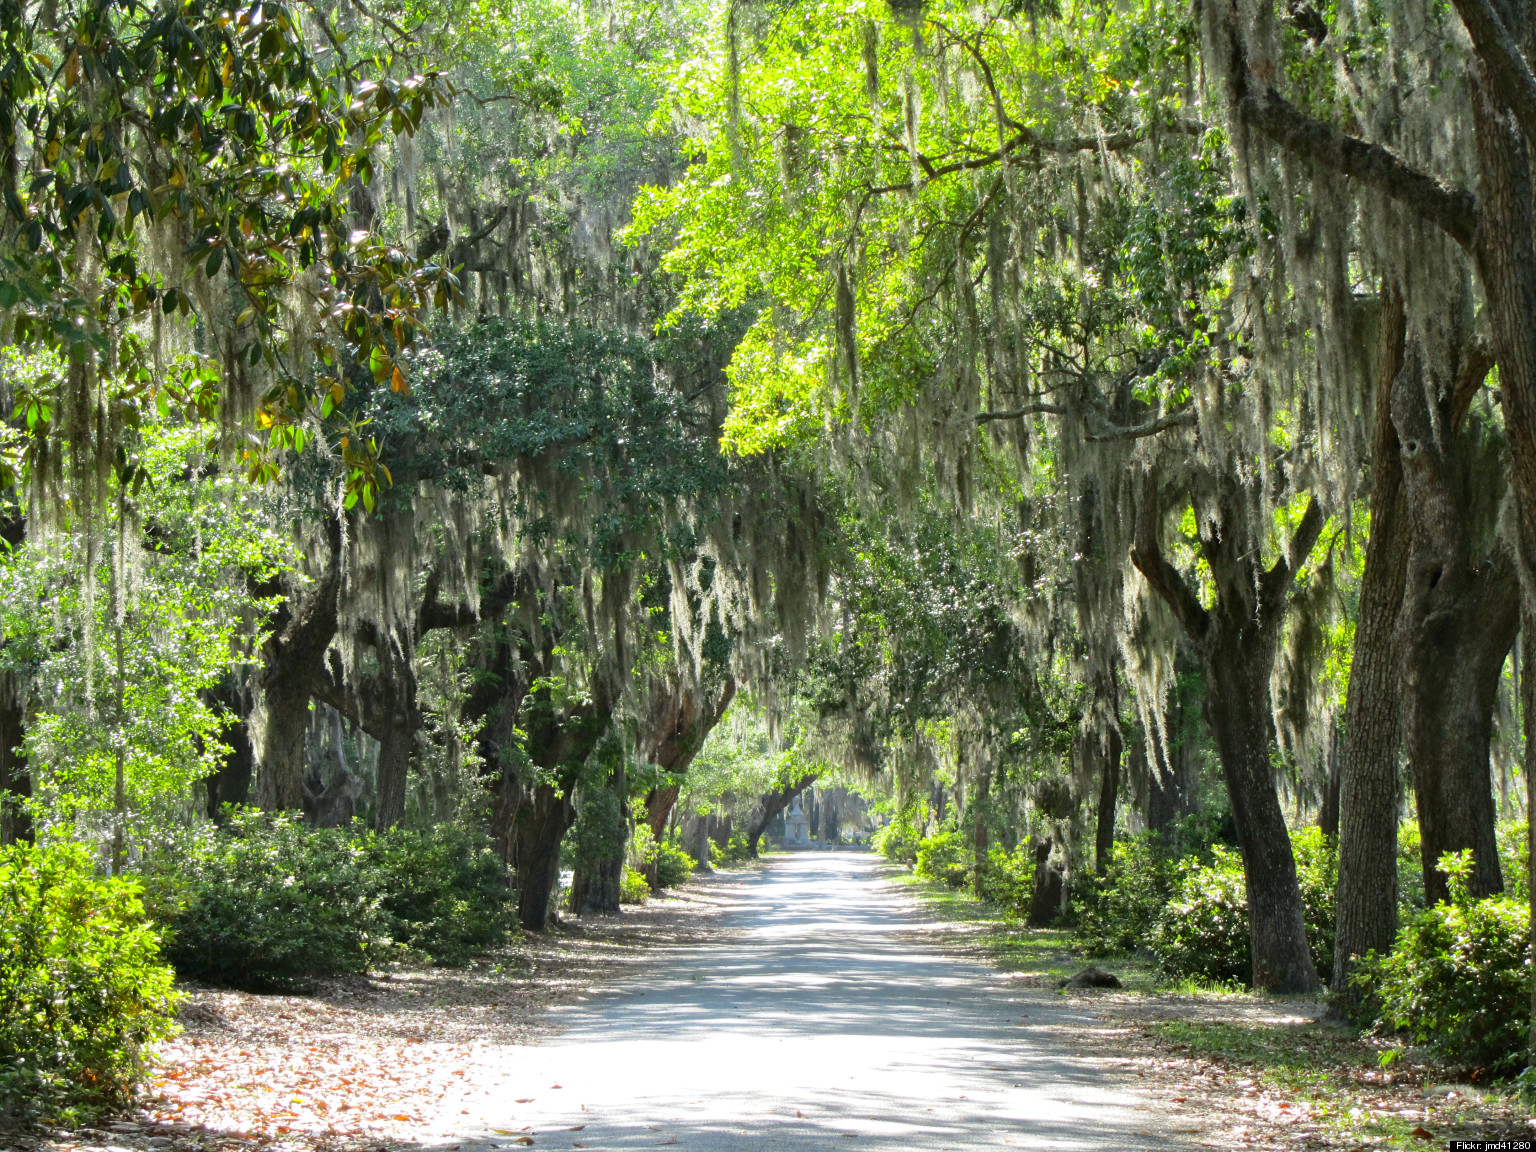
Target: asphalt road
<point>817,1020</point>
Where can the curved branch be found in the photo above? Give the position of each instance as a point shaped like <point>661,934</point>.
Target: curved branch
<point>1506,64</point>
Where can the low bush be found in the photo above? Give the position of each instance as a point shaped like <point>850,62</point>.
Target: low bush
<point>267,903</point>
<point>82,988</point>
<point>736,850</point>
<point>1202,932</point>
<point>1008,880</point>
<point>1117,911</point>
<point>943,857</point>
<point>673,865</point>
<point>444,892</point>
<point>1458,979</point>
<point>634,888</point>
<point>898,841</point>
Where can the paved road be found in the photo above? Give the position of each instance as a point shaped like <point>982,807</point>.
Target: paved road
<point>819,1023</point>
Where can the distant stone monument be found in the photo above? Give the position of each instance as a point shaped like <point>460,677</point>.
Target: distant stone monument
<point>797,828</point>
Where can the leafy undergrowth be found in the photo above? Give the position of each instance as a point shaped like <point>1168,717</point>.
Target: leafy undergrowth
<point>1237,1069</point>
<point>369,1063</point>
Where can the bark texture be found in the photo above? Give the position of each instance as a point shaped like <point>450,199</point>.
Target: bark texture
<point>1459,617</point>
<point>771,804</point>
<point>1369,790</point>
<point>1109,790</point>
<point>1237,639</point>
<point>15,777</point>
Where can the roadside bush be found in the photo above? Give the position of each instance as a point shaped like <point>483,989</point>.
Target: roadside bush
<point>898,840</point>
<point>735,851</point>
<point>1008,880</point>
<point>1202,932</point>
<point>943,857</point>
<point>444,892</point>
<point>673,865</point>
<point>82,988</point>
<point>1116,911</point>
<point>634,888</point>
<point>268,903</point>
<point>1457,980</point>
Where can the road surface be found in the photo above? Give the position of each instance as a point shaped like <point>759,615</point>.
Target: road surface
<point>816,1019</point>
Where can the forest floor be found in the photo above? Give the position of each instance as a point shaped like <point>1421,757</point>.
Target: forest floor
<point>1242,1070</point>
<point>375,1062</point>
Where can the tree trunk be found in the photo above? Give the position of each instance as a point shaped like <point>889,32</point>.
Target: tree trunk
<point>15,777</point>
<point>980,829</point>
<point>1237,639</point>
<point>402,721</point>
<point>292,657</point>
<point>658,808</point>
<point>1457,622</point>
<point>771,805</point>
<point>598,884</point>
<point>1369,791</point>
<point>1045,900</point>
<point>542,822</point>
<point>1238,711</point>
<point>1109,792</point>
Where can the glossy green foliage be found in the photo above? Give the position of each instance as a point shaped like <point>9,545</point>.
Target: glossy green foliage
<point>943,856</point>
<point>1458,979</point>
<point>634,888</point>
<point>217,136</point>
<point>673,865</point>
<point>584,415</point>
<point>445,893</point>
<point>1116,912</point>
<point>899,840</point>
<point>82,989</point>
<point>267,903</point>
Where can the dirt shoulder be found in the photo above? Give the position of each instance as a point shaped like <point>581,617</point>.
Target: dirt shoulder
<point>386,1061</point>
<point>1235,1069</point>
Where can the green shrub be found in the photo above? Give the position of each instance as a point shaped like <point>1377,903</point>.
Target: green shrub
<point>1458,980</point>
<point>634,888</point>
<point>1202,932</point>
<point>1008,879</point>
<point>943,857</point>
<point>898,840</point>
<point>268,903</point>
<point>735,851</point>
<point>1317,872</point>
<point>673,865</point>
<point>444,892</point>
<point>82,988</point>
<point>1116,911</point>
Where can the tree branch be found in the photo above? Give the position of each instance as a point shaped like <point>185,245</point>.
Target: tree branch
<point>1166,580</point>
<point>1506,64</point>
<point>1453,210</point>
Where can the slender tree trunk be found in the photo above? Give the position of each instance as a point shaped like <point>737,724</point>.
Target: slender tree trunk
<point>15,778</point>
<point>402,721</point>
<point>771,804</point>
<point>1528,765</point>
<point>1457,622</point>
<point>1368,772</point>
<point>1237,639</point>
<point>981,811</point>
<point>1238,712</point>
<point>1109,791</point>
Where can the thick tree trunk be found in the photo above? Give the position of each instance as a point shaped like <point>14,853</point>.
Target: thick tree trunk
<point>1457,622</point>
<point>292,657</point>
<point>1237,640</point>
<point>771,804</point>
<point>15,777</point>
<point>659,803</point>
<point>1238,711</point>
<point>401,722</point>
<point>1109,791</point>
<point>597,884</point>
<point>1368,796</point>
<point>542,822</point>
<point>1046,898</point>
